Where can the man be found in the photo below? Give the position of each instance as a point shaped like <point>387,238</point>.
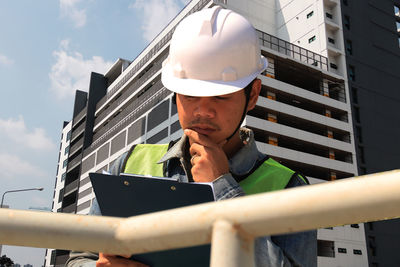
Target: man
<point>212,67</point>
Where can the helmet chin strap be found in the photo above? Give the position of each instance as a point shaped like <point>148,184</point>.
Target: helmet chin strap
<point>243,115</point>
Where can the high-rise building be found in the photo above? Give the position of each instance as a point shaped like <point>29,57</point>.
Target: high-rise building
<point>371,35</point>
<point>61,173</point>
<point>303,119</point>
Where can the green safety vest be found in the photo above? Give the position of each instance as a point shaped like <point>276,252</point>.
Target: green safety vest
<point>269,176</point>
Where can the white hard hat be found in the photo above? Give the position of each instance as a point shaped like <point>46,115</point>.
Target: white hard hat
<point>212,52</point>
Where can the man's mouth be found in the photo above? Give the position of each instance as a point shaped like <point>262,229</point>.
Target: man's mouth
<point>205,130</point>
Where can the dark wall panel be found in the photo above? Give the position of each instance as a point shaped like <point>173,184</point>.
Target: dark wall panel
<point>158,115</point>
<point>136,130</point>
<point>118,143</point>
<point>102,153</point>
<point>88,163</point>
<point>158,136</point>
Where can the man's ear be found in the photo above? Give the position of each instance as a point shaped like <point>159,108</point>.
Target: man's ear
<point>255,92</point>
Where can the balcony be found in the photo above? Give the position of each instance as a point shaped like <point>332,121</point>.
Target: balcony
<point>331,24</point>
<point>137,108</point>
<point>76,147</point>
<point>78,131</point>
<point>73,163</point>
<point>69,209</point>
<point>80,116</point>
<point>71,187</point>
<point>331,3</point>
<point>293,51</point>
<point>128,93</point>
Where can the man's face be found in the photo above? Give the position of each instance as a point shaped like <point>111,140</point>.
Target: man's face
<point>215,117</point>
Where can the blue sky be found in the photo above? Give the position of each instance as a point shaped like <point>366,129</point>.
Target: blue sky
<point>47,50</point>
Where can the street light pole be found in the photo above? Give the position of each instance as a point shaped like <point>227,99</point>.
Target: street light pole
<point>19,190</point>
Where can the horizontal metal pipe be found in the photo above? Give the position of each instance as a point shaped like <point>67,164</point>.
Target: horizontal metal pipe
<point>367,198</point>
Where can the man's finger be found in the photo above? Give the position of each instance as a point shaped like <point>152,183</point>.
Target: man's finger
<point>196,149</point>
<point>195,137</point>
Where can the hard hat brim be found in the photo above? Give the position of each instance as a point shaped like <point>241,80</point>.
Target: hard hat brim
<point>200,88</point>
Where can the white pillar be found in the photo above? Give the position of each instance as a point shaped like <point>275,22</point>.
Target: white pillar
<point>231,247</point>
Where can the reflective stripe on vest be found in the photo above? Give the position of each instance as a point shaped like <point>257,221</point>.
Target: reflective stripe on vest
<point>143,160</point>
<point>269,176</point>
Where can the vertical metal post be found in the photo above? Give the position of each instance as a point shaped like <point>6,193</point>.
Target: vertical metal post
<point>230,247</point>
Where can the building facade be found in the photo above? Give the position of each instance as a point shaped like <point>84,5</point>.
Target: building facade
<point>61,174</point>
<point>304,116</point>
<point>371,32</point>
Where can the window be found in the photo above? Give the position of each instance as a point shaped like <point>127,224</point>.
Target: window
<point>69,136</point>
<point>312,39</point>
<point>352,75</point>
<point>342,250</point>
<point>325,248</point>
<point>346,22</point>
<point>61,195</point>
<point>63,176</point>
<point>333,66</point>
<point>349,47</point>
<point>331,40</point>
<point>329,15</point>
<point>309,15</point>
<point>65,163</point>
<point>355,226</point>
<point>396,11</point>
<point>66,151</point>
<point>357,252</point>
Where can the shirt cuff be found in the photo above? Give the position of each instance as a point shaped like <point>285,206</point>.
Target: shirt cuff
<point>226,187</point>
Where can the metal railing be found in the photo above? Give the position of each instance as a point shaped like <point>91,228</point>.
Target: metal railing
<point>78,145</point>
<point>230,226</point>
<point>292,50</point>
<point>138,107</point>
<point>80,115</point>
<point>76,132</point>
<point>154,69</point>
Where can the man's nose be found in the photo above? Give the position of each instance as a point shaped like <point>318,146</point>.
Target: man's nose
<point>204,108</point>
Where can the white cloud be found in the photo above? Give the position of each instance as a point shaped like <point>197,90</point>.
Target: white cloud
<point>16,130</point>
<point>12,167</point>
<point>156,14</point>
<point>72,72</point>
<point>68,9</point>
<point>4,60</point>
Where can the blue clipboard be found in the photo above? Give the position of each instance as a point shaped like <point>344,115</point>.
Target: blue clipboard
<point>131,195</point>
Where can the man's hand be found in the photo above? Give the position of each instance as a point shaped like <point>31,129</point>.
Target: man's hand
<point>106,260</point>
<point>209,160</point>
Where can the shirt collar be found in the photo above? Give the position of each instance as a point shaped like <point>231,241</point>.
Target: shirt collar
<point>241,163</point>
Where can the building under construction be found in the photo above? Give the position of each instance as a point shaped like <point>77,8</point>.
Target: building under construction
<point>303,117</point>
